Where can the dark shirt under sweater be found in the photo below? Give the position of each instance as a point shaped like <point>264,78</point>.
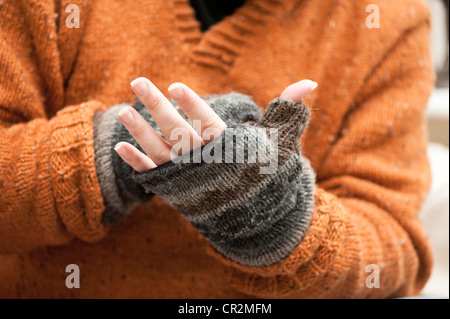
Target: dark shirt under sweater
<point>209,12</point>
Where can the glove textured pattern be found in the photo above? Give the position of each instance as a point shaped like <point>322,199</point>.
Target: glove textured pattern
<point>120,192</point>
<point>252,218</point>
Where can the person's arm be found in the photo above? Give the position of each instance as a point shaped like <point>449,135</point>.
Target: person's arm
<point>255,215</point>
<point>366,198</point>
<point>369,192</point>
<point>49,192</point>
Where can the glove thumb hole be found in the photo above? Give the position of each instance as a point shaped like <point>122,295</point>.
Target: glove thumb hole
<point>289,117</point>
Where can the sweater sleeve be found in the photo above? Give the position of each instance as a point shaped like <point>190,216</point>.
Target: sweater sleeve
<point>49,192</point>
<point>369,190</point>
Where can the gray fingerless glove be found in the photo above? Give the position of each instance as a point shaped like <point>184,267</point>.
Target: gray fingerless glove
<point>251,211</point>
<point>120,192</point>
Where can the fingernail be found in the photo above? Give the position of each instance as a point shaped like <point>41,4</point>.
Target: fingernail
<point>299,90</point>
<point>120,150</point>
<point>126,116</point>
<point>312,86</point>
<point>176,91</point>
<point>139,87</point>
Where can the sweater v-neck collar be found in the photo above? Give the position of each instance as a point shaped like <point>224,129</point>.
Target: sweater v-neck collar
<point>218,46</point>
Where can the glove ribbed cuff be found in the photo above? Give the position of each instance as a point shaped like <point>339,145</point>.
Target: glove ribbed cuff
<point>105,138</point>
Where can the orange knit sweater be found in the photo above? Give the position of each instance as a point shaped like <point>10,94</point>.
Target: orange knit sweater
<point>366,142</point>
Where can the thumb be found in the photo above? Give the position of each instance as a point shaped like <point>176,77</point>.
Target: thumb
<point>298,91</point>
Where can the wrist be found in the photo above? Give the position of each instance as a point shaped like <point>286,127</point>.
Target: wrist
<point>118,203</point>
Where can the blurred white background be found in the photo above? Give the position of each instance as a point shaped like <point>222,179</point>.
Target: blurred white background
<point>435,211</point>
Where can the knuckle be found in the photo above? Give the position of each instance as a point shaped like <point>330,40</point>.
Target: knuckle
<point>130,159</point>
<point>190,106</point>
<point>138,131</point>
<point>209,125</point>
<point>158,157</point>
<point>138,162</point>
<point>173,130</point>
<point>153,104</point>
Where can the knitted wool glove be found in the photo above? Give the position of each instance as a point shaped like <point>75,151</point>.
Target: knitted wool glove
<point>120,192</point>
<point>250,212</point>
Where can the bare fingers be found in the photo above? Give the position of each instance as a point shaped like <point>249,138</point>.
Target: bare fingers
<point>153,145</point>
<point>298,91</point>
<point>210,125</point>
<point>176,130</point>
<point>181,136</point>
<point>133,157</point>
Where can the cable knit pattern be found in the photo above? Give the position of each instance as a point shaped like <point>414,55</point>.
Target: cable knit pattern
<point>71,160</point>
<point>58,173</point>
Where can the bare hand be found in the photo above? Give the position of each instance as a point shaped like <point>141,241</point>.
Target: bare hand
<point>158,151</point>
